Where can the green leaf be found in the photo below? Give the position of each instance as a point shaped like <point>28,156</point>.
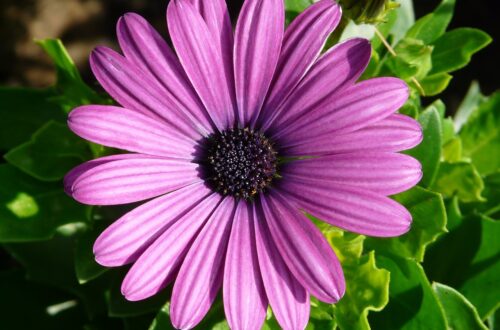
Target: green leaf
<point>367,290</point>
<point>413,59</point>
<point>51,153</point>
<point>435,83</point>
<point>452,150</point>
<point>412,302</point>
<point>469,104</point>
<point>74,91</point>
<point>428,152</point>
<point>23,111</point>
<point>367,286</point>
<point>460,313</point>
<point>460,179</point>
<point>454,49</point>
<point>31,210</point>
<point>86,268</point>
<point>433,25</point>
<point>429,222</point>
<point>481,136</point>
<point>467,258</point>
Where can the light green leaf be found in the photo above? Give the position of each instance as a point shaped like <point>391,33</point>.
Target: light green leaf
<point>460,313</point>
<point>412,302</point>
<point>435,83</point>
<point>454,49</point>
<point>429,222</point>
<point>413,59</point>
<point>366,285</point>
<point>460,179</point>
<point>428,152</point>
<point>51,153</point>
<point>481,136</point>
<point>31,210</point>
<point>452,150</point>
<point>73,91</point>
<point>367,290</point>
<point>23,111</point>
<point>468,259</point>
<point>433,25</point>
<point>469,104</point>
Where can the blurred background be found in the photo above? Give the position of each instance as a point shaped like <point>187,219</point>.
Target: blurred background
<point>83,24</point>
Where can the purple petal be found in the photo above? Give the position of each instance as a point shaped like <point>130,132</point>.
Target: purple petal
<point>305,251</point>
<point>381,172</point>
<point>356,107</point>
<point>354,209</point>
<point>259,35</point>
<point>144,47</point>
<point>200,276</point>
<point>287,297</point>
<point>128,237</point>
<point>76,172</point>
<point>245,301</point>
<point>131,180</point>
<point>135,90</point>
<point>335,70</point>
<point>129,130</point>
<point>304,39</point>
<point>157,266</point>
<point>216,16</point>
<point>394,133</point>
<point>203,61</point>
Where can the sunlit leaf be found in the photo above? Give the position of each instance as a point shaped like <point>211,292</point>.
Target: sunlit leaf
<point>460,179</point>
<point>433,25</point>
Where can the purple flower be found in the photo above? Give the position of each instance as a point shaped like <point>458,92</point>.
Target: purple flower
<point>234,142</point>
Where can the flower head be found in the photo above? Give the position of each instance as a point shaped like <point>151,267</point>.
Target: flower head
<point>232,143</point>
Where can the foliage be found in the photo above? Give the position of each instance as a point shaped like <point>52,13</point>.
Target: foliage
<point>444,273</point>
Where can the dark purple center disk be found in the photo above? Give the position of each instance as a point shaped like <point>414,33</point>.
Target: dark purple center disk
<point>239,162</point>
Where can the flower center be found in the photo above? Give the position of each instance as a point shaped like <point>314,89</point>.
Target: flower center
<point>239,162</point>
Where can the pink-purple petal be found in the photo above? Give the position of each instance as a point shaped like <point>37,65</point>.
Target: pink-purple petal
<point>202,60</point>
<point>287,297</point>
<point>355,107</point>
<point>135,90</point>
<point>128,237</point>
<point>157,266</point>
<point>129,130</point>
<point>75,173</point>
<point>131,180</point>
<point>354,209</point>
<point>304,39</point>
<point>258,39</point>
<point>299,242</point>
<point>145,48</point>
<point>381,172</point>
<point>245,302</point>
<point>201,273</point>
<point>334,71</point>
<point>216,16</point>
<point>394,133</point>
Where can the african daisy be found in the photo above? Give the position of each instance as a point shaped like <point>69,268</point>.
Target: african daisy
<point>232,143</point>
